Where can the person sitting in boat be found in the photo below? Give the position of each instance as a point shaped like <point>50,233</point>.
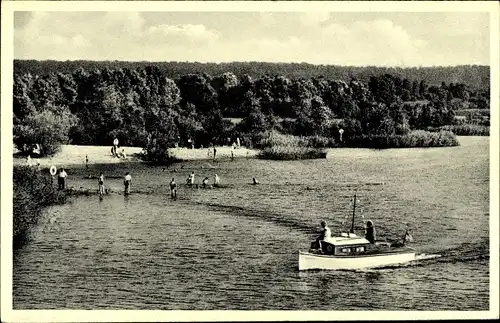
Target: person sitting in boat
<point>370,232</point>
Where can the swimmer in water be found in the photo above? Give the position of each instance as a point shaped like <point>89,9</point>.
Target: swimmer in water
<point>255,181</point>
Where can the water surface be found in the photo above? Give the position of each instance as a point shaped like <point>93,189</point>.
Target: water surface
<point>237,247</point>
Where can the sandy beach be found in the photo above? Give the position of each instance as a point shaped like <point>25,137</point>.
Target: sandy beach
<point>75,155</point>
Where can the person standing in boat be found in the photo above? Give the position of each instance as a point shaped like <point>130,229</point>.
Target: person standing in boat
<point>127,181</point>
<point>370,234</point>
<point>173,188</point>
<point>325,234</point>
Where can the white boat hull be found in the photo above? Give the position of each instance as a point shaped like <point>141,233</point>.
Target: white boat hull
<point>314,261</point>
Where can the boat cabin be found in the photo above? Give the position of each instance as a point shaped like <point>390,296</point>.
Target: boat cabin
<point>345,245</point>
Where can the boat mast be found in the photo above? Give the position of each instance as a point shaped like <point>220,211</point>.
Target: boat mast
<point>353,213</point>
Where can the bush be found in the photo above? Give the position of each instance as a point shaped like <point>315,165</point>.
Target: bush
<point>32,192</point>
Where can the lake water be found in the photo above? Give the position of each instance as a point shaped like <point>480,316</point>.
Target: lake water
<point>237,247</point>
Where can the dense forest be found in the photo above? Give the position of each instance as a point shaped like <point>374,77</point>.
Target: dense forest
<point>160,105</point>
<point>476,76</point>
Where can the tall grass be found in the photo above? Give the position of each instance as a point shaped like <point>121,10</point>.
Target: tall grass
<point>287,147</point>
<point>32,192</point>
<point>291,153</point>
<point>275,138</point>
<point>466,129</point>
<point>414,139</point>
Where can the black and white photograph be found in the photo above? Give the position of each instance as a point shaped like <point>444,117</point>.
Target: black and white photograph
<point>249,160</point>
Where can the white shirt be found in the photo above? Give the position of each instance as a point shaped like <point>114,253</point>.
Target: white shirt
<point>128,177</point>
<point>63,174</point>
<point>328,233</point>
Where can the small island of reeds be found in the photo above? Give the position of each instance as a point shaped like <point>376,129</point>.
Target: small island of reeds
<point>278,146</point>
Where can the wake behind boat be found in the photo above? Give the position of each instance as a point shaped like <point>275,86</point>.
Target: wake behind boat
<point>350,251</point>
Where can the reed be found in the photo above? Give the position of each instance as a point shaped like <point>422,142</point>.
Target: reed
<point>466,129</point>
<point>291,153</point>
<point>278,146</point>
<point>413,139</point>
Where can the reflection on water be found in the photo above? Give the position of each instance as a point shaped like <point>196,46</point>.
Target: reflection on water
<point>237,247</point>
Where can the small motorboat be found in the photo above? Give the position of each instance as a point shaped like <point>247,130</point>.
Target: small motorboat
<point>350,251</point>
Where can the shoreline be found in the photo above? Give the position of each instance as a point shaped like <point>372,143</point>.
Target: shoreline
<point>72,155</point>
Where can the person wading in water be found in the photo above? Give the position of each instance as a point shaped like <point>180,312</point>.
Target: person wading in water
<point>101,184</point>
<point>127,182</point>
<point>173,188</point>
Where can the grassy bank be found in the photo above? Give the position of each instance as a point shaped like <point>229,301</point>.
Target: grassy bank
<point>32,192</point>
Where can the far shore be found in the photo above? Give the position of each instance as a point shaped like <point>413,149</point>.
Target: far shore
<point>71,155</point>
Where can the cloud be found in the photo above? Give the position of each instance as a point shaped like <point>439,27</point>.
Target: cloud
<point>314,37</point>
<point>193,33</point>
<point>313,18</point>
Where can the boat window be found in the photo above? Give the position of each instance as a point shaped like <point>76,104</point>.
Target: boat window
<point>346,250</point>
<point>360,249</point>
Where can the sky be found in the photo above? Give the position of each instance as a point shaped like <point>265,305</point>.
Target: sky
<point>339,38</point>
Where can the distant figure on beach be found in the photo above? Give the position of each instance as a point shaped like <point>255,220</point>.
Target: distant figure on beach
<point>101,184</point>
<point>173,188</point>
<point>205,182</point>
<point>123,153</point>
<point>28,160</point>
<point>216,180</point>
<point>209,151</point>
<point>38,168</point>
<point>215,152</point>
<point>127,182</point>
<point>232,152</point>
<point>61,179</point>
<point>255,181</point>
<point>238,142</point>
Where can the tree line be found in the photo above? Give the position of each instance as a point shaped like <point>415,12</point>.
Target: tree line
<point>477,76</point>
<point>144,107</point>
